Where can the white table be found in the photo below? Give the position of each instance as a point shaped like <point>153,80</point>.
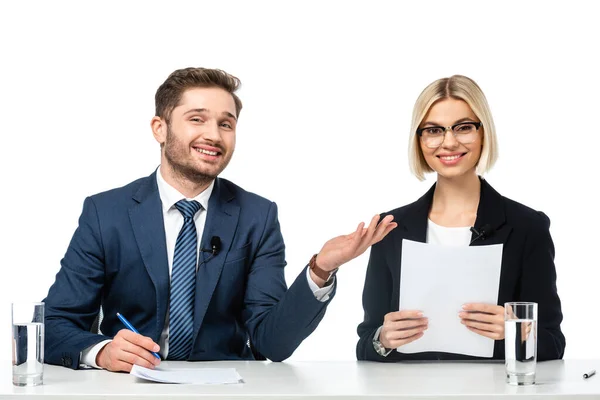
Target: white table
<point>321,380</point>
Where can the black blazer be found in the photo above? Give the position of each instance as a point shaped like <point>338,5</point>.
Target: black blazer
<point>527,272</point>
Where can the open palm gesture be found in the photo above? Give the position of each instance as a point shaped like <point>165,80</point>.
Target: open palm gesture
<point>344,248</point>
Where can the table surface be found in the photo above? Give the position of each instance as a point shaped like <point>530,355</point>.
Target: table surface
<point>320,380</point>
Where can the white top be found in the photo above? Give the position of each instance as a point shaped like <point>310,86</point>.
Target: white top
<point>173,221</point>
<point>445,236</point>
<point>562,379</point>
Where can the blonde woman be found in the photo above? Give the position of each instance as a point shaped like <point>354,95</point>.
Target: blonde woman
<point>453,135</point>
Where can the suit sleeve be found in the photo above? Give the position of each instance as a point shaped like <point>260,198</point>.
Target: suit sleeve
<point>377,299</point>
<point>74,299</point>
<point>277,319</point>
<point>538,284</point>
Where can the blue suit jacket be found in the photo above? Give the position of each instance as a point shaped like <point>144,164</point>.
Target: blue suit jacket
<point>117,258</point>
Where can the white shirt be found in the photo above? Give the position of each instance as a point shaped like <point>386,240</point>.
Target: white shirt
<point>442,236</point>
<point>445,236</point>
<point>173,221</point>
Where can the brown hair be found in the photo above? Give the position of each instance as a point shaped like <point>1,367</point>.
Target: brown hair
<point>169,93</point>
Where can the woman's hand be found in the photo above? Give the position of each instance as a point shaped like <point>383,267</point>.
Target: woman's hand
<point>484,319</point>
<point>402,327</point>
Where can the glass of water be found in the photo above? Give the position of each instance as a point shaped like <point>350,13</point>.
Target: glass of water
<point>520,342</point>
<point>27,343</point>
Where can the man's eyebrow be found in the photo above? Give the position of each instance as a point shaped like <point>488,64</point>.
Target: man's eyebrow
<point>204,110</point>
<point>198,110</point>
<point>230,115</point>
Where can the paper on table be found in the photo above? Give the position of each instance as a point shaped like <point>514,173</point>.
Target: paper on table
<point>438,280</point>
<point>196,376</point>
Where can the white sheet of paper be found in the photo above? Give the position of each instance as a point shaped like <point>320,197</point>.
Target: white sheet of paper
<point>438,280</point>
<point>195,376</point>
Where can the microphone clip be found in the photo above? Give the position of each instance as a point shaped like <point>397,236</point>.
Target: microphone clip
<point>215,246</point>
<point>482,233</point>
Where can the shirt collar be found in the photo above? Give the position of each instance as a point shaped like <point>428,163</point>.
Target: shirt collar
<point>169,195</point>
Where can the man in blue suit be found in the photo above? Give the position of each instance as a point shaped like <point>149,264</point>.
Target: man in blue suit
<point>192,260</point>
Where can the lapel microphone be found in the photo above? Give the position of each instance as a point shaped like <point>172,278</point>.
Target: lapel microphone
<point>215,244</point>
<point>483,233</point>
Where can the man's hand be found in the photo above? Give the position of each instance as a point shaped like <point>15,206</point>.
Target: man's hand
<point>128,348</point>
<point>342,249</point>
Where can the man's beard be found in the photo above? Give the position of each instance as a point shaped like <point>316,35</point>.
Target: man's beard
<point>176,153</point>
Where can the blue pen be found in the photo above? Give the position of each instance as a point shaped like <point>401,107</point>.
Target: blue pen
<point>131,328</point>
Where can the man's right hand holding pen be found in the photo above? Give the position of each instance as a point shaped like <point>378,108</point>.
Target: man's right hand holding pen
<point>127,348</point>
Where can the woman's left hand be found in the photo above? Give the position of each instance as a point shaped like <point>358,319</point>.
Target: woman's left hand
<point>484,319</point>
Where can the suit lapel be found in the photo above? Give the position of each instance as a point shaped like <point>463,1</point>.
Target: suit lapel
<point>415,220</point>
<point>490,211</point>
<point>221,221</point>
<point>149,230</point>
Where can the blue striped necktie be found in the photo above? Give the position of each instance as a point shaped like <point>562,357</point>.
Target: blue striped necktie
<point>183,284</point>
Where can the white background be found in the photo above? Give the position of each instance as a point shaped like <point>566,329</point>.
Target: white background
<point>328,90</point>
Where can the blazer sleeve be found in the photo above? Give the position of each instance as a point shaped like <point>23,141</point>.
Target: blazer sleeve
<point>377,299</point>
<point>74,299</point>
<point>277,319</point>
<point>538,284</point>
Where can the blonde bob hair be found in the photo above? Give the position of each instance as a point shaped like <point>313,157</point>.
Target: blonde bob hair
<point>461,88</point>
